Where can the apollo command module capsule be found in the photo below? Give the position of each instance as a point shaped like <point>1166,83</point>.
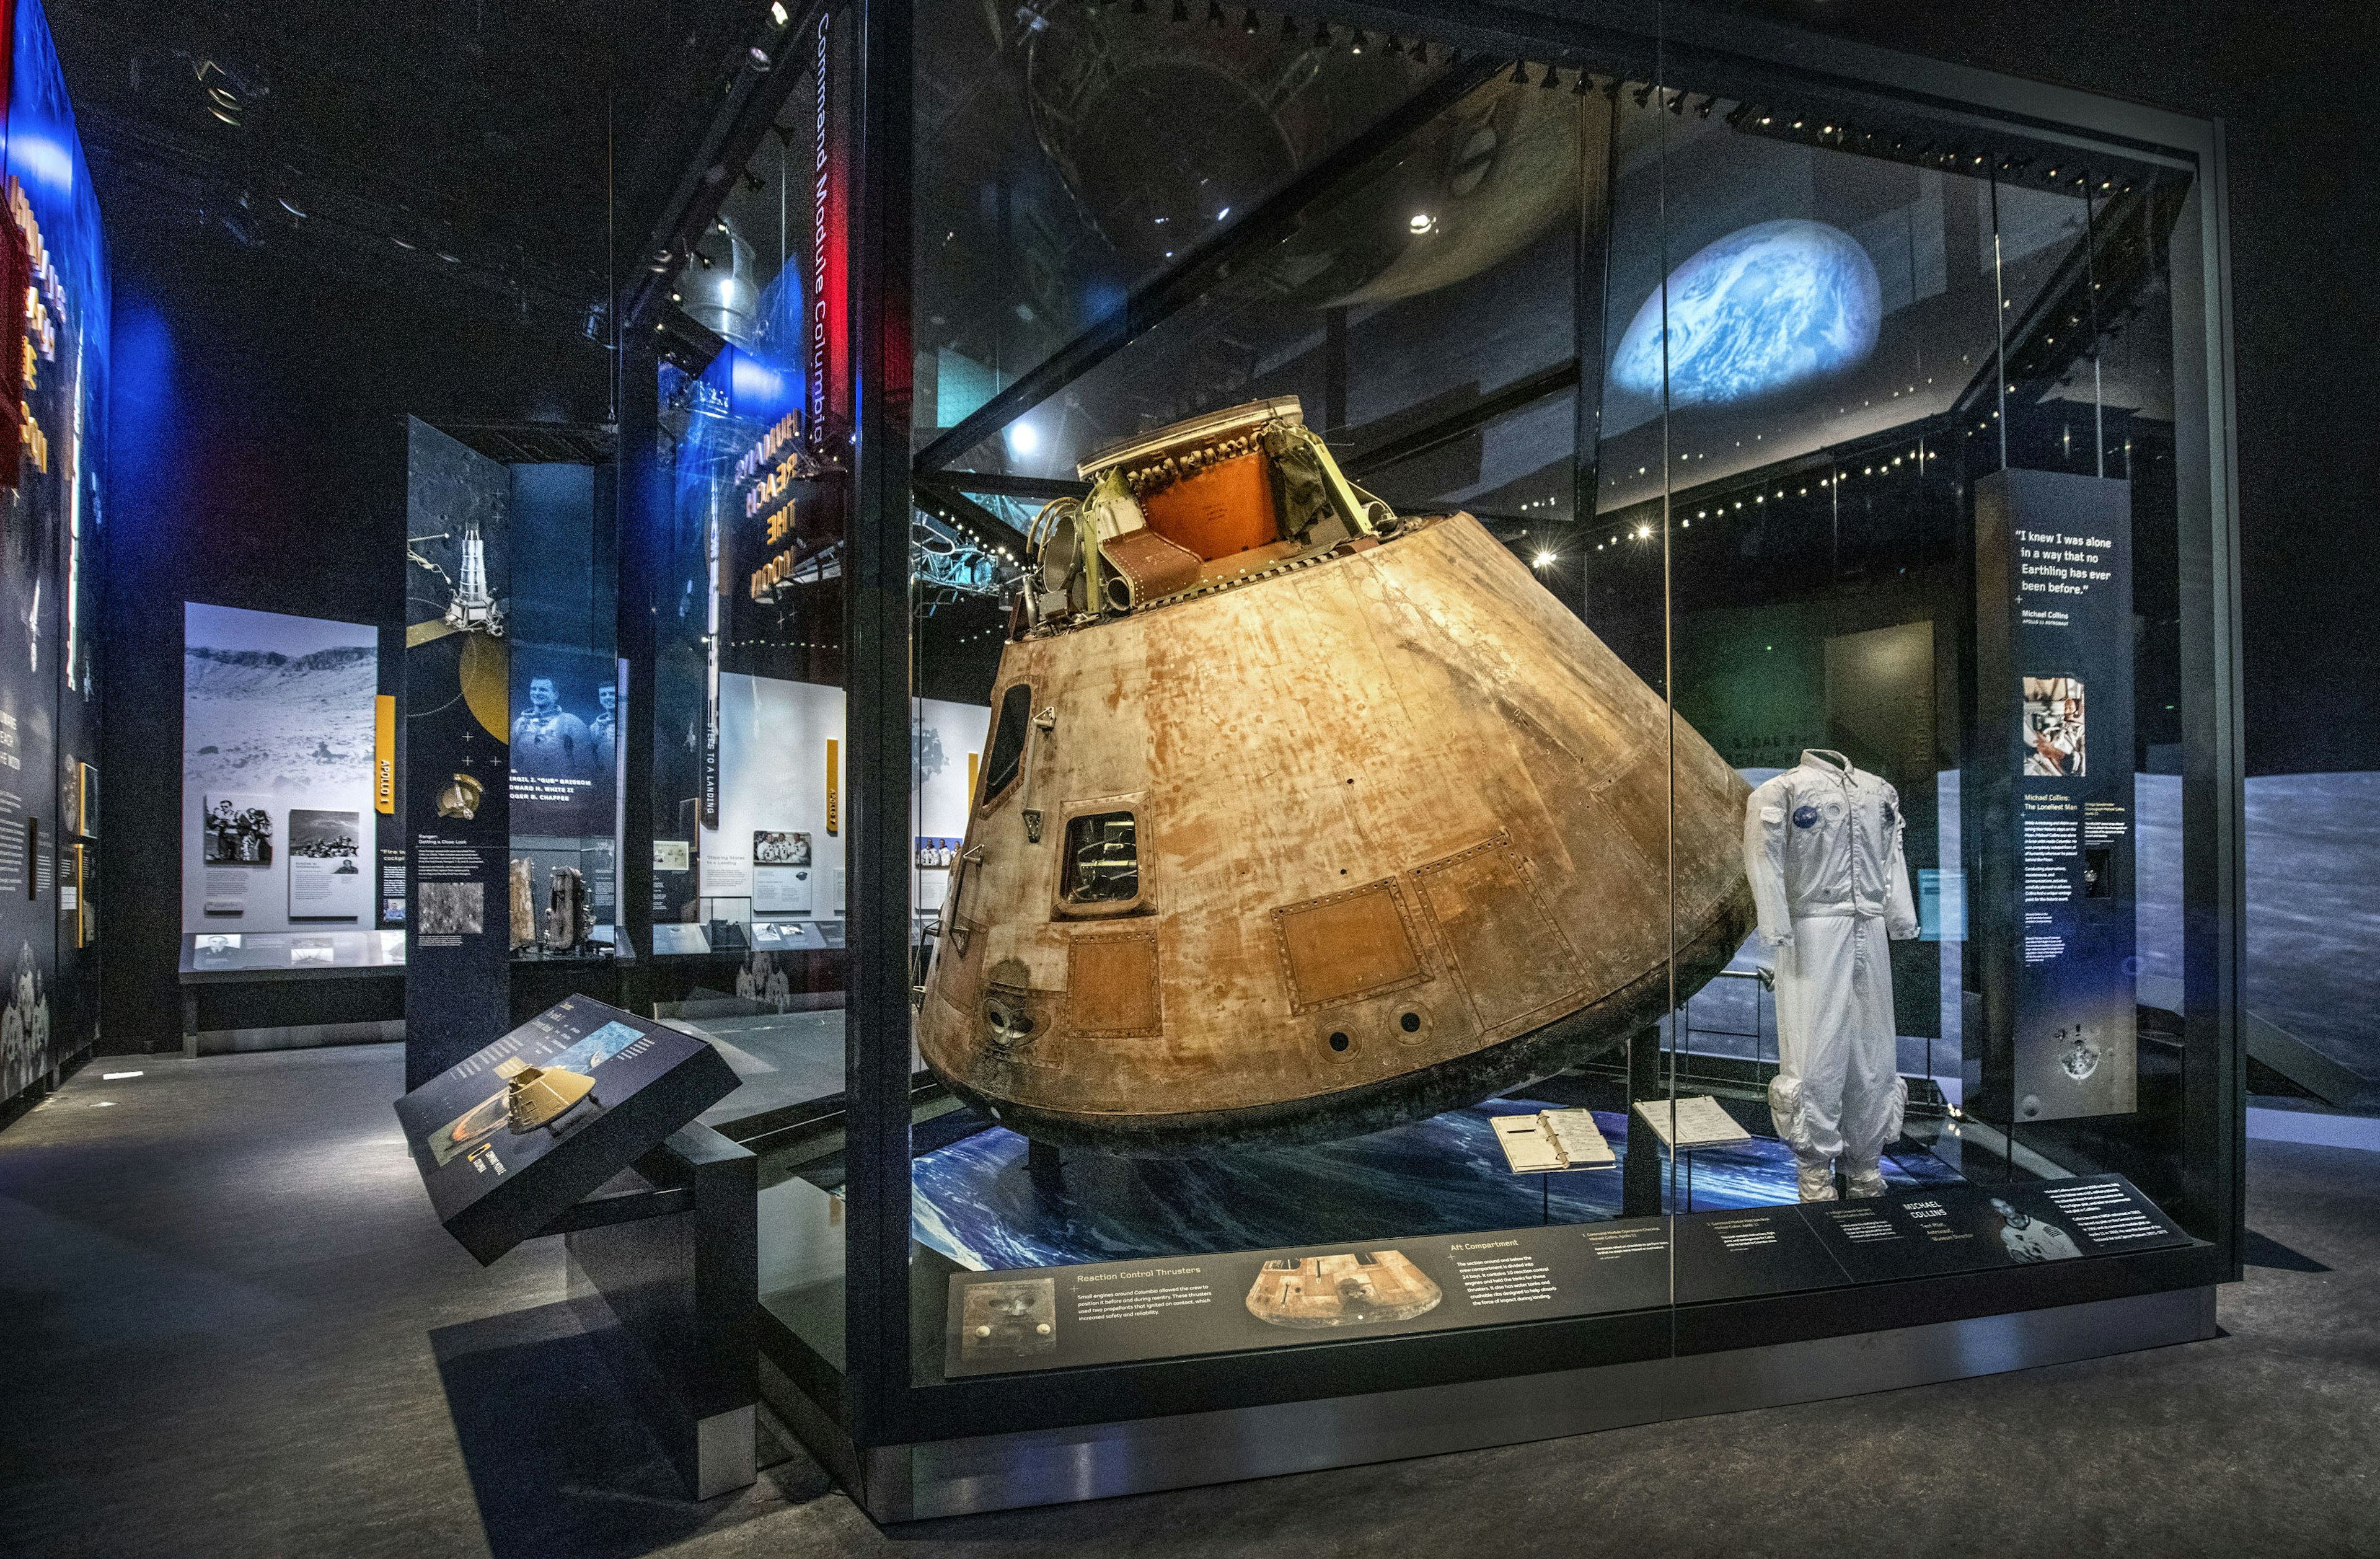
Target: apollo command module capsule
<point>1298,818</point>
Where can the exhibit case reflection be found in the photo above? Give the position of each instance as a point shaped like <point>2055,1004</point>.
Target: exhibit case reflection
<point>1464,718</point>
<point>735,559</point>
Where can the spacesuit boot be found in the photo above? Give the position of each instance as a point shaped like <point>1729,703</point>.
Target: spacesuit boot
<point>1865,1180</point>
<point>1817,1177</point>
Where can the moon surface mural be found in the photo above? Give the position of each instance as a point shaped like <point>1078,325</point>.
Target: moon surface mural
<point>1765,308</point>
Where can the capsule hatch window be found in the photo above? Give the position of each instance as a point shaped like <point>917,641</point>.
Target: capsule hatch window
<point>1007,758</point>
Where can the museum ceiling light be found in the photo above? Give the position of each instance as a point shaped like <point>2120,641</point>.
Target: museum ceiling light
<point>1545,560</point>
<point>777,12</point>
<point>230,92</point>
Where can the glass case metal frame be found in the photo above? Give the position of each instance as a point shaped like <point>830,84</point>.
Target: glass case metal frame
<point>913,1450</point>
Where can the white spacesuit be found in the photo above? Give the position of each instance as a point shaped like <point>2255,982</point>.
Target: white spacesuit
<point>1822,846</point>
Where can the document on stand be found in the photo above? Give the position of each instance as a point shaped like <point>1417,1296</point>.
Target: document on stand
<point>1699,1122</point>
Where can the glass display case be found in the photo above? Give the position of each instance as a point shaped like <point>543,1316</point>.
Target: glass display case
<point>1376,735</point>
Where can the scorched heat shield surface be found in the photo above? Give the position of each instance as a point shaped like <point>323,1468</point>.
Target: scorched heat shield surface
<point>1311,852</point>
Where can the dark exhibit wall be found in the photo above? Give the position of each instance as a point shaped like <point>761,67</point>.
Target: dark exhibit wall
<point>260,416</point>
<point>2297,141</point>
<point>49,685</point>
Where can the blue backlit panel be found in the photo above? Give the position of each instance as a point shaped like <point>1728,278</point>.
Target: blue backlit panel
<point>49,588</point>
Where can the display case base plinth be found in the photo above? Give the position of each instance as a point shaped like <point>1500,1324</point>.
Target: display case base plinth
<point>663,1277</point>
<point>917,1481</point>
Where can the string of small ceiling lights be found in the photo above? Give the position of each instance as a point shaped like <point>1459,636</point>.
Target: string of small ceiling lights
<point>1322,33</point>
<point>1913,147</point>
<point>1753,118</point>
<point>1767,120</point>
<point>1913,462</point>
<point>995,546</point>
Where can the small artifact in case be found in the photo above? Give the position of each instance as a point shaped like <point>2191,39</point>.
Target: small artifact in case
<point>1553,1139</point>
<point>1010,1320</point>
<point>524,907</point>
<point>1697,1121</point>
<point>569,913</point>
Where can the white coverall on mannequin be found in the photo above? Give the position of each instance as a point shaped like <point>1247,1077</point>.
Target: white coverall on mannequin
<point>1822,846</point>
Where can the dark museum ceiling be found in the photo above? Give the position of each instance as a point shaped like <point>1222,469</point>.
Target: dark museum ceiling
<point>437,144</point>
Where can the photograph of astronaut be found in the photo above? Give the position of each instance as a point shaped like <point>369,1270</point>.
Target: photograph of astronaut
<point>771,847</point>
<point>548,742</point>
<point>565,741</point>
<point>236,834</point>
<point>604,729</point>
<point>2053,727</point>
<point>2028,1239</point>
